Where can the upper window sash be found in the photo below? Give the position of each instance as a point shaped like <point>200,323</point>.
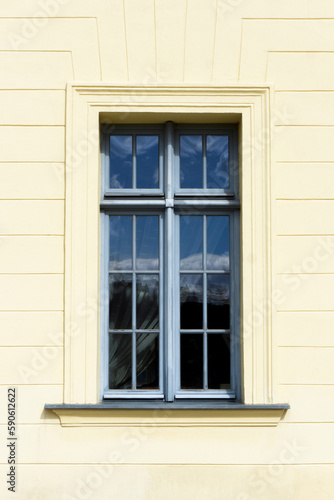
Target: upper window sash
<point>204,149</point>
<point>132,146</point>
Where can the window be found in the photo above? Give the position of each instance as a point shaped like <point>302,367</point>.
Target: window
<point>170,229</point>
<point>89,106</point>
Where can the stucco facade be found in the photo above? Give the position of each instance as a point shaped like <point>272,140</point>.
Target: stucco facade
<point>66,67</point>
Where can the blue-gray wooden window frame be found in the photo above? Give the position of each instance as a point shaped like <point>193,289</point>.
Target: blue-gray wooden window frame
<point>169,202</point>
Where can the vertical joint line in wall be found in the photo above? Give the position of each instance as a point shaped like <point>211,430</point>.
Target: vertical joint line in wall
<point>214,40</point>
<point>267,63</point>
<point>240,53</point>
<point>184,42</point>
<point>72,62</point>
<point>126,42</point>
<point>98,46</point>
<point>155,42</point>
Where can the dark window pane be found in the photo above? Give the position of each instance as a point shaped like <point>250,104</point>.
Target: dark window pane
<point>191,361</point>
<point>147,243</point>
<point>147,361</point>
<point>120,361</point>
<point>147,161</point>
<point>217,161</point>
<point>120,302</point>
<point>218,243</point>
<point>120,243</point>
<point>147,299</point>
<point>191,242</point>
<point>218,361</point>
<point>191,161</point>
<point>218,300</point>
<point>191,298</point>
<point>120,161</point>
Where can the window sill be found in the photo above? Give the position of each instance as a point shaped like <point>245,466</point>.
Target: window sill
<point>162,414</point>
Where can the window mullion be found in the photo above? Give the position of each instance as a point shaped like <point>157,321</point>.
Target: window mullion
<point>204,166</point>
<point>205,305</point>
<point>134,301</point>
<point>134,161</point>
<point>169,268</point>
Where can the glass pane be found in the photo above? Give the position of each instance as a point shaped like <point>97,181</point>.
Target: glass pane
<point>120,302</point>
<point>120,243</point>
<point>218,361</point>
<point>191,242</point>
<point>120,361</point>
<point>147,161</point>
<point>218,301</point>
<point>191,161</point>
<point>192,361</point>
<point>147,300</point>
<point>147,243</point>
<point>217,161</point>
<point>191,298</point>
<point>218,243</point>
<point>147,361</point>
<point>120,161</point>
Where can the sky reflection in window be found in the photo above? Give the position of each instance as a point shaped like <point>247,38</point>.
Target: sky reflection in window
<point>191,161</point>
<point>121,161</point>
<point>217,161</point>
<point>147,161</point>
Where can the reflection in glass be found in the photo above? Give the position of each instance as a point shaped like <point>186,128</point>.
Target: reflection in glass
<point>191,299</point>
<point>218,301</point>
<point>120,161</point>
<point>147,243</point>
<point>147,299</point>
<point>120,302</point>
<point>218,361</point>
<point>217,161</point>
<point>191,161</point>
<point>147,149</point>
<point>191,242</point>
<point>120,243</point>
<point>192,361</point>
<point>147,348</point>
<point>120,361</point>
<point>218,243</point>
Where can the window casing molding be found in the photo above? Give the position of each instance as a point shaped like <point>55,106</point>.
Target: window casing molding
<point>87,107</point>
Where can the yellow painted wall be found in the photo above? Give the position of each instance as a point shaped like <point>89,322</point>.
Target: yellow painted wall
<point>44,45</point>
